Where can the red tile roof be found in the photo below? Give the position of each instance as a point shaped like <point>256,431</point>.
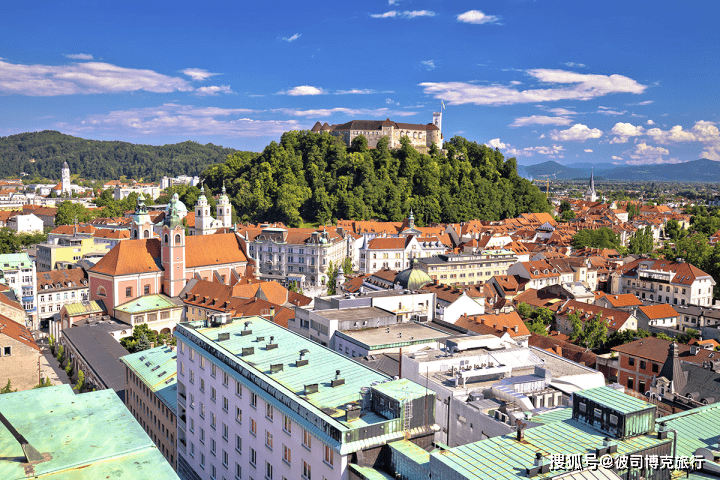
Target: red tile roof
<point>389,243</point>
<point>494,324</point>
<point>662,310</point>
<point>565,349</point>
<point>620,300</point>
<point>614,318</point>
<point>203,250</point>
<point>131,257</point>
<point>684,273</point>
<point>656,349</point>
<point>18,332</point>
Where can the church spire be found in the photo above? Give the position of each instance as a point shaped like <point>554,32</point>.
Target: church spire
<point>592,179</point>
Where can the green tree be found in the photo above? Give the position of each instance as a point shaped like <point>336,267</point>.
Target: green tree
<point>60,352</point>
<point>9,242</point>
<point>332,274</point>
<point>565,206</point>
<point>347,266</point>
<point>80,381</point>
<point>600,238</point>
<point>673,229</point>
<point>68,212</point>
<point>44,383</point>
<point>537,327</point>
<point>544,315</point>
<point>591,334</point>
<point>143,343</point>
<point>524,310</point>
<point>642,241</point>
<point>568,215</point>
<point>7,388</point>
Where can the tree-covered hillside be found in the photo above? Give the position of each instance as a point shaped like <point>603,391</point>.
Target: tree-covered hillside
<point>313,177</point>
<point>43,153</point>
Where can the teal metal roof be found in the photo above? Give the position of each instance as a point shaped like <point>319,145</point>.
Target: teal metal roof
<point>146,303</point>
<point>411,451</point>
<point>15,260</point>
<point>328,401</point>
<point>367,473</point>
<point>85,308</point>
<point>555,415</point>
<point>615,399</point>
<point>87,436</point>
<point>699,427</point>
<point>402,390</point>
<point>157,367</point>
<point>503,457</point>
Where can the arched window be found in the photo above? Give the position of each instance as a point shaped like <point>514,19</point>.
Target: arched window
<point>177,239</point>
<point>146,234</point>
<point>135,233</point>
<point>101,292</point>
<point>166,238</point>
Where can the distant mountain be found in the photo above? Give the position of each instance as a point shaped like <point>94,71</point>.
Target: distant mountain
<point>553,170</point>
<point>702,170</point>
<point>43,153</point>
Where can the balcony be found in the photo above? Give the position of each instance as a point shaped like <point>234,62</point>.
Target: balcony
<point>182,422</point>
<point>182,398</point>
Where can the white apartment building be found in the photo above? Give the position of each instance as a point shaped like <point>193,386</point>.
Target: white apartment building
<point>60,287</point>
<point>26,223</point>
<point>542,273</point>
<point>388,252</point>
<point>18,272</point>
<point>258,401</point>
<point>663,281</point>
<point>150,190</point>
<point>295,254</point>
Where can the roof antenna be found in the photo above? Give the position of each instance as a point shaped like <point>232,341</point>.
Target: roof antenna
<point>31,454</point>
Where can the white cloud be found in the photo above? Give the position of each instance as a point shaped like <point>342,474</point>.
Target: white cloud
<point>650,122</point>
<point>390,101</point>
<point>174,119</point>
<point>573,64</point>
<point>540,120</point>
<point>393,2</point>
<point>614,157</point>
<point>293,38</point>
<point>610,111</point>
<point>198,74</point>
<point>496,143</point>
<point>476,17</point>
<point>562,112</point>
<point>554,151</point>
<point>703,132</point>
<point>326,112</point>
<point>360,91</point>
<point>303,90</point>
<point>79,56</point>
<point>644,154</point>
<point>83,78</point>
<point>575,86</point>
<point>588,150</point>
<point>213,90</point>
<point>624,131</point>
<point>429,64</point>
<point>576,133</point>
<point>646,102</point>
<point>406,14</point>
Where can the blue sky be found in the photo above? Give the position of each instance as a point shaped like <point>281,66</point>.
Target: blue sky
<point>572,81</point>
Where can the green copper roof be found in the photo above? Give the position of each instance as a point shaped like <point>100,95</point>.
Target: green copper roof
<point>15,260</point>
<point>503,457</point>
<point>402,389</point>
<point>699,427</point>
<point>85,308</point>
<point>157,368</point>
<point>615,399</point>
<point>146,303</point>
<point>89,436</point>
<point>555,415</point>
<point>414,278</point>
<point>367,473</point>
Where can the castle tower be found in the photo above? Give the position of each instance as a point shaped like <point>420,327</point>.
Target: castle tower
<point>172,248</point>
<point>411,220</point>
<point>203,220</point>
<point>224,209</point>
<point>142,226</point>
<point>65,185</point>
<point>590,194</point>
<point>437,120</point>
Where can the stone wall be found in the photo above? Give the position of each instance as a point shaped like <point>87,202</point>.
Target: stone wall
<point>21,366</point>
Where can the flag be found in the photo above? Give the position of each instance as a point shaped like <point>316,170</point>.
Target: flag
<point>442,103</point>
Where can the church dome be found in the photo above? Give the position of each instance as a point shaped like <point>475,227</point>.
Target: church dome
<point>414,278</point>
<point>179,206</point>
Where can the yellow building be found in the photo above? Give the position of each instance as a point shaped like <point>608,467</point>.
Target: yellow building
<point>468,268</point>
<point>64,251</point>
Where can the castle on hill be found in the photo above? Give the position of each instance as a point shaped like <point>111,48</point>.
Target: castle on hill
<point>421,136</point>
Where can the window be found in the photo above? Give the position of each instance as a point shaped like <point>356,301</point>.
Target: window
<point>202,435</point>
<point>268,471</point>
<point>630,383</point>
<point>238,472</point>
<point>7,351</point>
<point>192,449</point>
<point>238,443</point>
<point>225,404</point>
<point>269,411</point>
<point>202,410</point>
<point>253,457</point>
<point>287,424</point>
<point>253,427</point>
<point>146,290</point>
<point>238,389</point>
<point>631,362</point>
<point>582,407</point>
<point>202,461</point>
<point>253,400</point>
<point>128,292</point>
<point>213,419</point>
<point>226,379</point>
<point>655,368</point>
<point>192,401</point>
<point>202,384</point>
<point>225,459</point>
<point>307,439</point>
<point>287,455</point>
<point>597,412</point>
<point>238,415</point>
<point>268,440</point>
<point>202,362</point>
<point>213,446</point>
<point>213,393</point>
<point>329,455</point>
<point>306,472</point>
<point>643,364</point>
<point>192,425</point>
<point>213,370</point>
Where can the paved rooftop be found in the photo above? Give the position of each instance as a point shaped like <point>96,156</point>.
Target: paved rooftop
<point>398,334</point>
<point>356,313</point>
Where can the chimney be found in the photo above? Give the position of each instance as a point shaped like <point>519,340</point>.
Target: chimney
<point>516,329</point>
<point>505,328</point>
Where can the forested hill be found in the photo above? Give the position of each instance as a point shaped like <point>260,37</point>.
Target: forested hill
<point>43,154</point>
<point>313,177</point>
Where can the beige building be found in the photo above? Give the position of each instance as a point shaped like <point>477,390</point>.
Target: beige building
<point>19,356</point>
<point>421,136</point>
<point>159,312</point>
<point>468,268</point>
<point>151,396</point>
<point>60,287</point>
